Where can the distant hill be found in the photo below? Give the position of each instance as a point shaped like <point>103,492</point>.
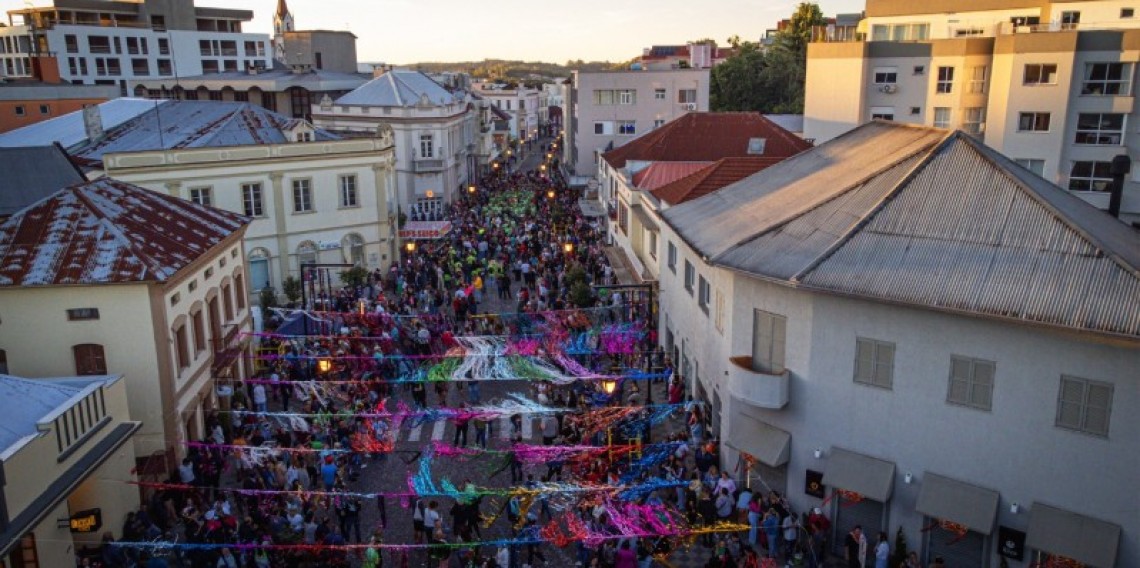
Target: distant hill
<point>514,71</point>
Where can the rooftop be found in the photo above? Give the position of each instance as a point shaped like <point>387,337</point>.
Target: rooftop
<point>658,174</point>
<point>928,218</point>
<point>708,136</point>
<point>26,402</point>
<point>398,88</point>
<point>30,174</point>
<point>276,79</point>
<point>711,178</point>
<point>68,129</point>
<point>106,231</point>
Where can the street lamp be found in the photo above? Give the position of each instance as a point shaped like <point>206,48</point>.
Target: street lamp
<point>471,189</point>
<point>608,385</point>
<point>410,246</point>
<point>568,247</point>
<point>542,167</point>
<point>549,156</point>
<point>550,194</point>
<point>323,365</point>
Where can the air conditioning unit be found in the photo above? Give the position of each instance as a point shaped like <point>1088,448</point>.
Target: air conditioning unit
<point>889,89</point>
<point>688,106</point>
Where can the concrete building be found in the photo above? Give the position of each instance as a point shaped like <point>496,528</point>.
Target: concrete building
<point>523,104</point>
<point>105,277</point>
<point>67,460</point>
<point>689,56</point>
<point>1049,84</point>
<point>875,340</point>
<point>434,129</point>
<point>606,109</point>
<point>24,103</point>
<point>117,42</point>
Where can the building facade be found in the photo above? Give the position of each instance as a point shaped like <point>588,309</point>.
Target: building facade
<point>1049,84</point>
<point>22,104</point>
<point>606,109</point>
<point>523,104</point>
<point>833,314</point>
<point>118,42</point>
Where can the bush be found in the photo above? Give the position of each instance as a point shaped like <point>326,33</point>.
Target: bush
<point>355,276</point>
<point>292,288</point>
<point>267,298</point>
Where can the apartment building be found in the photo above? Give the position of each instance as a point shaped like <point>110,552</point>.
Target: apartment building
<point>1049,84</point>
<point>606,109</point>
<point>875,341</point>
<point>116,42</point>
<point>523,104</point>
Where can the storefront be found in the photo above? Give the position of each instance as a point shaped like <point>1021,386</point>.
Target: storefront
<point>1063,539</point>
<point>959,519</point>
<point>768,446</point>
<point>861,487</point>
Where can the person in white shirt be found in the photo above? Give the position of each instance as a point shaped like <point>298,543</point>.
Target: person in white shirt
<point>260,402</point>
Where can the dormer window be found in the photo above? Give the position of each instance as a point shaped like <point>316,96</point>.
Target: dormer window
<point>756,146</point>
<point>304,137</point>
<point>299,130</point>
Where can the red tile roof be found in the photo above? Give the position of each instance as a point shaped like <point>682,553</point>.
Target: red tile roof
<point>711,178</point>
<point>107,231</point>
<point>662,173</point>
<point>707,137</point>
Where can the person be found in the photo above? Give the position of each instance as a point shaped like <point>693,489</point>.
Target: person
<point>818,526</point>
<point>851,547</point>
<point>882,551</point>
<point>227,560</point>
<point>418,521</point>
<point>771,524</point>
<point>626,557</point>
<point>725,482</point>
<point>791,527</point>
<point>260,400</point>
<point>912,561</point>
<point>371,554</point>
<point>755,512</point>
<point>549,429</point>
<point>723,506</point>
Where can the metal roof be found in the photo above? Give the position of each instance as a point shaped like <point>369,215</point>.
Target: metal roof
<point>68,129</point>
<point>399,89</point>
<point>278,80</point>
<point>923,217</point>
<point>107,231</point>
<point>28,175</point>
<point>176,125</point>
<point>25,402</point>
<point>658,174</point>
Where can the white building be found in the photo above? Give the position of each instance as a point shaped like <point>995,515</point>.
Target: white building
<point>606,109</point>
<point>1049,84</point>
<point>523,104</point>
<point>116,42</point>
<point>109,278</point>
<point>943,340</point>
<point>434,129</point>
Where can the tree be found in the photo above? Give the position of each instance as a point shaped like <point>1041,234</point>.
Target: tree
<point>292,287</point>
<point>268,298</point>
<point>736,84</point>
<point>355,276</point>
<point>901,552</point>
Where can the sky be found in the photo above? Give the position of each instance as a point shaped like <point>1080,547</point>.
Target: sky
<point>410,31</point>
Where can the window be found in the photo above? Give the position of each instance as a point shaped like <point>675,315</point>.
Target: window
<point>1126,13</point>
<point>427,146</point>
<point>193,285</point>
<point>671,257</point>
<point>1084,405</point>
<point>623,217</point>
<point>919,70</point>
<point>165,69</point>
<point>768,342</point>
<point>625,97</point>
<point>605,128</point>
<point>201,196</point>
<point>687,96</point>
<point>652,244</point>
<point>239,291</point>
<point>900,32</point>
<point>45,109</point>
<point>306,253</point>
<point>974,120</point>
<point>181,348</point>
<point>89,359</point>
<point>227,303</point>
<point>659,94</point>
<point>1033,122</point>
<point>604,97</point>
<point>941,117</point>
<point>627,127</point>
<point>20,110</point>
<point>348,191</point>
<point>199,332</point>
<point>1100,129</point>
<point>703,294</point>
<point>82,314</point>
<point>251,199</point>
<point>1040,74</point>
<point>302,196</point>
<point>1033,165</point>
<point>658,123</point>
<point>945,80</point>
<point>209,274</point>
<point>971,382</point>
<point>690,277</point>
<point>883,113</point>
<point>3,362</point>
<point>175,298</point>
<point>353,246</point>
<point>1070,20</point>
<point>886,75</point>
<point>72,43</point>
<point>874,362</point>
<point>978,80</point>
<point>915,110</point>
<point>1090,176</point>
<point>163,46</point>
<point>1107,79</point>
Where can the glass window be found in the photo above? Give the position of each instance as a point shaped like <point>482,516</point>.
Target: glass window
<point>348,197</point>
<point>1070,19</point>
<point>627,127</point>
<point>659,94</point>
<point>945,80</point>
<point>690,277</point>
<point>1107,79</point>
<point>1100,129</point>
<point>251,200</point>
<point>1034,165</point>
<point>687,95</point>
<point>671,257</point>
<point>941,117</point>
<point>768,342</point>
<point>603,97</point>
<point>974,120</point>
<point>181,347</point>
<point>886,75</point>
<point>703,294</point>
<point>627,97</point>
<point>302,195</point>
<point>1040,74</point>
<point>201,196</point>
<point>978,80</point>
<point>1090,176</point>
<point>427,143</point>
<point>1033,122</point>
<point>874,362</point>
<point>89,359</point>
<point>199,331</point>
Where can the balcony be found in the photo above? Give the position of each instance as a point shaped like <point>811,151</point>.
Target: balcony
<point>426,166</point>
<point>227,347</point>
<point>758,389</point>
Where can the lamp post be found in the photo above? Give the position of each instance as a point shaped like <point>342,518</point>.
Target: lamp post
<point>550,194</point>
<point>568,248</point>
<point>410,246</point>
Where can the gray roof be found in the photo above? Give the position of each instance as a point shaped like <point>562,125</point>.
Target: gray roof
<point>68,129</point>
<point>277,80</point>
<point>175,125</point>
<point>28,175</point>
<point>25,402</point>
<point>789,122</point>
<point>927,218</point>
<point>399,89</point>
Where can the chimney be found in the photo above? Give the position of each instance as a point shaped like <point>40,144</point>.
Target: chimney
<point>379,70</point>
<point>92,122</point>
<point>1121,165</point>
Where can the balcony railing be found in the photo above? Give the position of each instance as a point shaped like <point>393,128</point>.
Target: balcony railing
<point>758,389</point>
<point>422,166</point>
<point>226,348</point>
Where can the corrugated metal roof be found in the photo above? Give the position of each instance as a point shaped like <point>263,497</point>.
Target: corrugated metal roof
<point>28,175</point>
<point>194,124</point>
<point>68,129</point>
<point>24,402</point>
<point>658,174</point>
<point>921,217</point>
<point>399,89</point>
<point>107,231</point>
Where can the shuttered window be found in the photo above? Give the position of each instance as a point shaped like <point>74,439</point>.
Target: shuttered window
<point>971,382</point>
<point>769,338</point>
<point>874,362</point>
<point>1084,405</point>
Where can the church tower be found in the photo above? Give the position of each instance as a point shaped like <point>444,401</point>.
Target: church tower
<point>282,22</point>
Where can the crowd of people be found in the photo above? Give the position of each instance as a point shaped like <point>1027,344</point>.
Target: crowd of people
<point>281,465</point>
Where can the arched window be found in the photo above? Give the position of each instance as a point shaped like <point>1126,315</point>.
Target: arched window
<point>259,269</point>
<point>89,359</point>
<point>306,254</point>
<point>353,246</point>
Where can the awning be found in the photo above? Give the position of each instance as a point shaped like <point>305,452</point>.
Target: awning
<point>1084,539</point>
<point>768,444</point>
<point>643,216</point>
<point>425,229</point>
<point>870,477</point>
<point>957,501</point>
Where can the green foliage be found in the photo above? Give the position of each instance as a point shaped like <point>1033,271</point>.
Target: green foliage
<point>355,276</point>
<point>513,71</point>
<point>900,553</point>
<point>268,298</point>
<point>581,295</point>
<point>292,288</point>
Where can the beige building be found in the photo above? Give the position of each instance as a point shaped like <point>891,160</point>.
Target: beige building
<point>1049,84</point>
<point>66,467</point>
<point>524,105</point>
<point>606,109</point>
<point>106,277</point>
